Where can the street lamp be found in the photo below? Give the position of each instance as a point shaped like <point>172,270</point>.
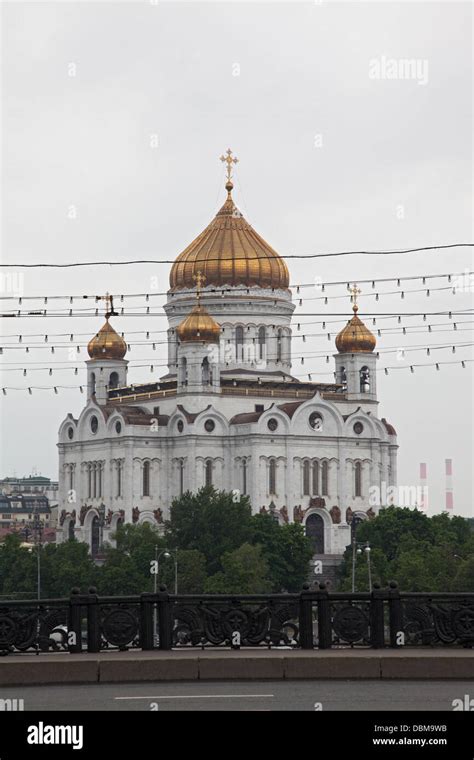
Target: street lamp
<point>155,570</point>
<point>101,511</point>
<point>367,551</point>
<point>37,528</point>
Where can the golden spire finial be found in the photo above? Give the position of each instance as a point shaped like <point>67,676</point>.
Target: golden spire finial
<point>229,160</point>
<point>355,291</point>
<point>199,279</point>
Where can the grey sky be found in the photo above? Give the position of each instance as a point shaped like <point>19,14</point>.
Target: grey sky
<point>330,159</point>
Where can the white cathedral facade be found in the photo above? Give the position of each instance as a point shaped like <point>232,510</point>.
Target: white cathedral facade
<point>228,413</point>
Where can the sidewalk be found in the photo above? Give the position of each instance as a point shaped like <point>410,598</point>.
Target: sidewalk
<point>225,664</point>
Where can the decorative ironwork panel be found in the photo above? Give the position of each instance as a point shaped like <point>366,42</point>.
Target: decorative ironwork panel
<point>351,622</point>
<point>216,622</point>
<point>119,625</point>
<point>28,626</point>
<point>438,620</point>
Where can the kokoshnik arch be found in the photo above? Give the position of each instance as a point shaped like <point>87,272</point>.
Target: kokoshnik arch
<point>228,413</point>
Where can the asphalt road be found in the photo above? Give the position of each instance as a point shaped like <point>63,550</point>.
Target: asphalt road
<point>245,695</point>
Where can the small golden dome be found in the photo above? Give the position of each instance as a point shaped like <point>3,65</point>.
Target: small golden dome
<point>230,252</point>
<point>355,337</point>
<point>107,344</point>
<point>198,326</point>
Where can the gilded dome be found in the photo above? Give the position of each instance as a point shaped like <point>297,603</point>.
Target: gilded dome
<point>229,252</point>
<point>355,337</point>
<point>198,326</point>
<point>107,344</point>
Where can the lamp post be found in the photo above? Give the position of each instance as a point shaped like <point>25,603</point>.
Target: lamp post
<point>155,566</point>
<point>357,548</point>
<point>38,532</point>
<point>367,551</point>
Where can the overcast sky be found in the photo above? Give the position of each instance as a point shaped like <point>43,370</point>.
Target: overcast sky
<point>337,151</point>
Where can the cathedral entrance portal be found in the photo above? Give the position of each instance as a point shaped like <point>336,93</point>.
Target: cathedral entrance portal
<point>315,532</point>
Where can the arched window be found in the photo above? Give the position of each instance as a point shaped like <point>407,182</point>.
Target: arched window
<point>205,371</point>
<point>315,532</point>
<point>343,378</point>
<point>94,480</point>
<point>262,337</point>
<point>239,343</point>
<point>89,480</point>
<point>306,478</point>
<point>70,531</point>
<point>71,477</point>
<point>113,380</point>
<point>324,478</point>
<point>279,344</point>
<point>358,479</point>
<point>315,478</point>
<point>244,476</point>
<point>92,384</point>
<point>146,479</point>
<point>183,371</point>
<point>181,476</point>
<point>272,477</point>
<point>208,472</point>
<point>364,375</point>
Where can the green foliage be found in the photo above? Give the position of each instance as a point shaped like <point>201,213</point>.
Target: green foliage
<point>210,522</point>
<point>286,549</point>
<point>221,547</point>
<point>191,571</point>
<point>421,553</point>
<point>244,571</point>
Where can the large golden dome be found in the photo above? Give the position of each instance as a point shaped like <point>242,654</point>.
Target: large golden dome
<point>229,252</point>
<point>107,344</point>
<point>198,326</point>
<point>355,337</point>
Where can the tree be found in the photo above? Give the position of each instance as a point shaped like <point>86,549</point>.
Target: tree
<point>191,572</point>
<point>211,522</point>
<point>244,571</point>
<point>286,549</point>
<point>421,553</point>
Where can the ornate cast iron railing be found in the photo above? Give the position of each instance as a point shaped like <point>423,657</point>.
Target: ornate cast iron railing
<point>313,618</point>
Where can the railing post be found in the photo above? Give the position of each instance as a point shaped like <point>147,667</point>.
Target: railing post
<point>324,618</point>
<point>377,623</point>
<point>74,625</point>
<point>93,628</point>
<point>395,614</point>
<point>306,618</point>
<point>165,623</point>
<point>146,621</point>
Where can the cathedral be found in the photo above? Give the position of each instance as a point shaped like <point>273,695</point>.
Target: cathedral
<point>228,413</point>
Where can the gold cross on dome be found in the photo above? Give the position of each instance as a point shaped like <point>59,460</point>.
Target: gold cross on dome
<point>229,161</point>
<point>109,305</point>
<point>355,291</point>
<point>199,278</point>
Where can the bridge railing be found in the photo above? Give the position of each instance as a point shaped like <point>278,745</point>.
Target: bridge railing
<point>314,618</point>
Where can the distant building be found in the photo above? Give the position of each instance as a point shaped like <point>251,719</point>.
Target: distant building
<point>22,498</point>
<point>33,484</point>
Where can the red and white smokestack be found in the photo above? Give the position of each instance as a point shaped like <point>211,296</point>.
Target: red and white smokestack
<point>449,484</point>
<point>423,500</point>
